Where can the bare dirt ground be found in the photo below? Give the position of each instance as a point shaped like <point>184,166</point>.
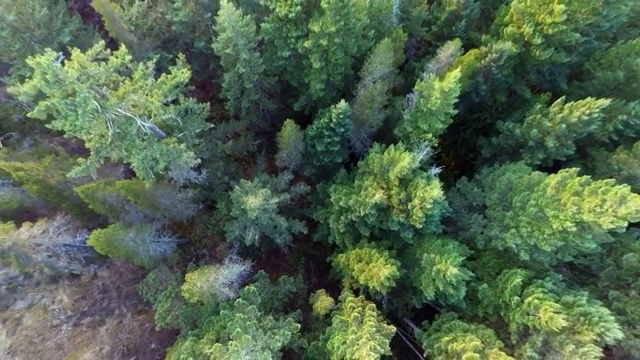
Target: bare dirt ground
<point>97,316</point>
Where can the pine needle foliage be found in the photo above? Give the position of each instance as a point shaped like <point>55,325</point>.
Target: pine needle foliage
<point>257,211</point>
<point>358,331</point>
<point>551,133</point>
<point>118,108</point>
<point>548,218</point>
<point>451,338</point>
<point>245,85</point>
<point>429,109</point>
<point>367,267</point>
<point>243,328</point>
<point>291,146</point>
<point>31,26</point>
<point>438,269</point>
<point>144,245</point>
<point>327,139</point>
<point>389,196</point>
<point>378,76</point>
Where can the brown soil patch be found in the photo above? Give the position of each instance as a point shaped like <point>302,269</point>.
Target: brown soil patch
<point>99,316</point>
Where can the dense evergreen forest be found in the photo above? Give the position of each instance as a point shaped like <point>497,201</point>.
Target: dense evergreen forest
<point>320,179</point>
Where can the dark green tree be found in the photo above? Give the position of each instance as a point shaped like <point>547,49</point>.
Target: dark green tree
<point>30,27</point>
<point>327,140</point>
<point>338,35</point>
<point>259,211</point>
<point>284,30</point>
<point>245,85</point>
<point>546,319</point>
<point>550,133</point>
<point>437,267</point>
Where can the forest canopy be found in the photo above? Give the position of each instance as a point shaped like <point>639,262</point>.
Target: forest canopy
<point>331,179</point>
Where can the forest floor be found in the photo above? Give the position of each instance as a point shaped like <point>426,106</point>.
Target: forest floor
<point>96,316</point>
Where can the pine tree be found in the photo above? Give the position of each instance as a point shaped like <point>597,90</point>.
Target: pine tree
<point>548,218</point>
<point>31,26</point>
<point>327,140</point>
<point>429,109</point>
<point>547,320</point>
<point>257,211</point>
<point>378,76</point>
<point>618,286</point>
<point>321,302</point>
<point>562,31</point>
<point>48,247</point>
<point>550,133</point>
<point>358,331</point>
<point>118,108</point>
<point>614,72</point>
<point>162,29</point>
<point>450,338</point>
<point>161,288</point>
<point>44,179</point>
<point>284,29</point>
<point>438,269</point>
<point>623,164</point>
<point>143,245</point>
<point>245,85</point>
<point>388,197</point>
<point>242,328</point>
<point>291,146</point>
<point>211,284</point>
<point>368,267</point>
<point>133,202</point>
<point>337,37</point>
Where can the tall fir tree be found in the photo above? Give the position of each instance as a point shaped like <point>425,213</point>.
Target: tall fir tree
<point>451,338</point>
<point>389,197</point>
<point>119,109</point>
<point>548,218</point>
<point>367,267</point>
<point>547,319</point>
<point>245,84</point>
<point>243,328</point>
<point>437,267</point>
<point>429,109</point>
<point>291,146</point>
<point>338,35</point>
<point>32,26</point>
<point>259,211</point>
<point>549,133</point>
<point>327,140</point>
<point>284,29</point>
<point>378,76</point>
<point>358,330</point>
